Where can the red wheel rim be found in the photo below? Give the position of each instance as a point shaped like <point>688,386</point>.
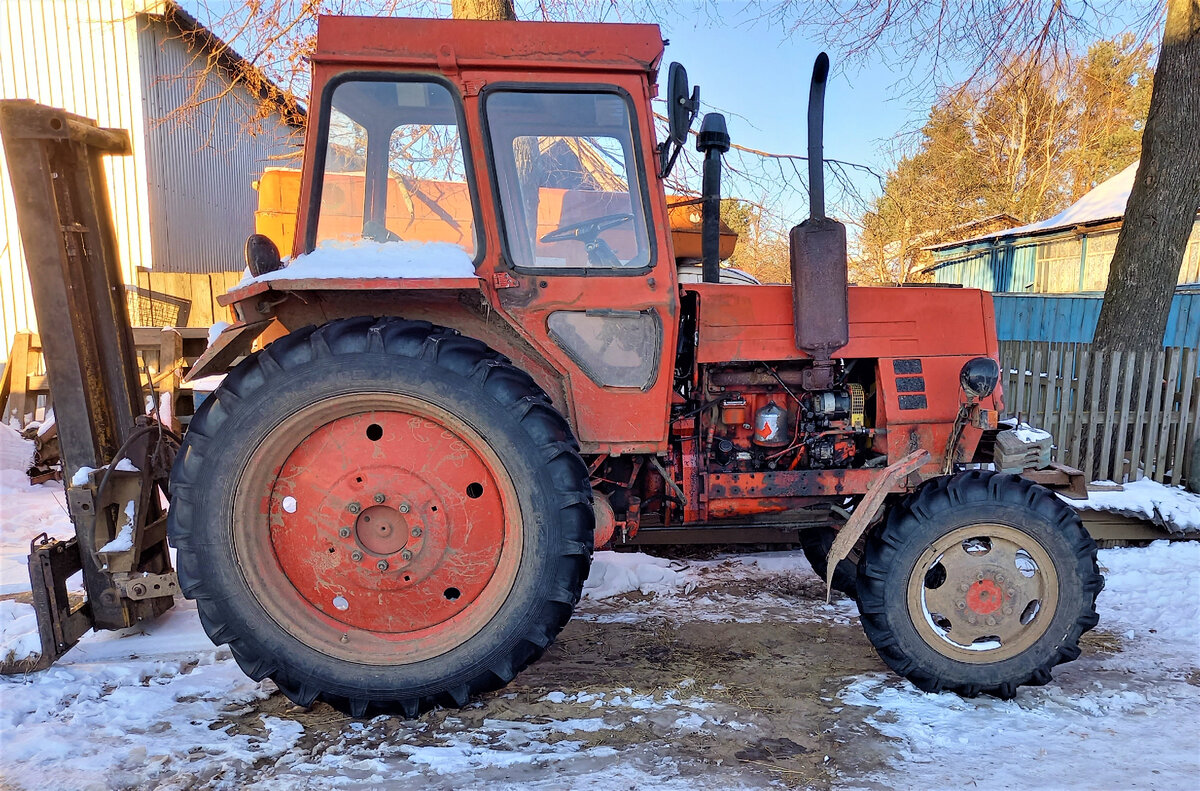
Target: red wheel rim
<point>377,528</point>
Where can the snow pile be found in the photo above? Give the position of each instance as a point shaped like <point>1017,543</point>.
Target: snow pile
<point>614,573</point>
<point>1119,705</point>
<point>18,632</point>
<point>26,511</point>
<point>368,259</point>
<point>1170,507</point>
<point>16,457</point>
<point>1152,597</point>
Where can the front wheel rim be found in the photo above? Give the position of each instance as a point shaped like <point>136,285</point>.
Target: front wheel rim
<point>983,593</point>
<point>377,528</point>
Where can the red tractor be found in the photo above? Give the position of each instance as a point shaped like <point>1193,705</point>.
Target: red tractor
<point>481,363</point>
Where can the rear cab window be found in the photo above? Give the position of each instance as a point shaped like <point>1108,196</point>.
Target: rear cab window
<point>394,168</point>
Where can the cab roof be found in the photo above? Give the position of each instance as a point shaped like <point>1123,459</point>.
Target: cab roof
<point>451,44</point>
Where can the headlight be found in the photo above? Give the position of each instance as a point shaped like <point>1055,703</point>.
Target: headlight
<point>979,377</point>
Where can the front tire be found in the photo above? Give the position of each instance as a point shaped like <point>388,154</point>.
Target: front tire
<point>382,514</point>
<point>979,582</point>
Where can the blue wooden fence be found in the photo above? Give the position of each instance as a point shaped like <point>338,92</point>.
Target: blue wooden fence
<point>1072,318</point>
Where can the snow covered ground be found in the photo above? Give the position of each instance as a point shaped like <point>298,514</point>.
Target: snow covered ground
<point>721,673</point>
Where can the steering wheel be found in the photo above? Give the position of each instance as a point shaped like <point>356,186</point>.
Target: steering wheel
<point>588,230</point>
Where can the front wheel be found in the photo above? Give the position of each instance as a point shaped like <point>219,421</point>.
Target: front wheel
<point>382,514</point>
<point>979,582</point>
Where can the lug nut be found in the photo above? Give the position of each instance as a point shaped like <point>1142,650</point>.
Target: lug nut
<point>964,587</point>
<point>972,619</point>
<point>345,638</point>
<point>406,554</point>
<point>416,532</point>
<point>999,579</point>
<point>979,576</point>
<point>961,605</point>
<point>1008,611</point>
<point>356,556</point>
<point>382,565</point>
<point>991,621</point>
<point>344,532</point>
<point>404,508</point>
<point>354,508</point>
<point>379,498</point>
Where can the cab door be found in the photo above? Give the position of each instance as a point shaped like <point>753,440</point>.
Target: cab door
<point>581,234</point>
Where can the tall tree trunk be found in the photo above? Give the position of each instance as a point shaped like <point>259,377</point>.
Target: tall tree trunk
<point>483,9</point>
<point>1165,198</point>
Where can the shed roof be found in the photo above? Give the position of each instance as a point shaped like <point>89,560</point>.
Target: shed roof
<point>1105,202</point>
<point>251,76</point>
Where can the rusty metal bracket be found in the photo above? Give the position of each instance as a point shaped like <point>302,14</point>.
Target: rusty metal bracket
<point>864,513</point>
<point>147,586</point>
<point>60,625</point>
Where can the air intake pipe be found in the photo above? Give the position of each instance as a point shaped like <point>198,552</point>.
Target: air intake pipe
<point>713,141</point>
<point>820,291</point>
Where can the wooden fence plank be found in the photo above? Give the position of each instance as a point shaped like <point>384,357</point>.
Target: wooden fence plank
<point>1111,378</point>
<point>1121,449</point>
<point>1094,386</point>
<point>1145,364</point>
<point>1077,418</point>
<point>1021,398</point>
<point>1169,414</point>
<point>1067,384</point>
<point>1035,384</point>
<point>1053,380</point>
<point>1186,414</point>
<point>1154,418</point>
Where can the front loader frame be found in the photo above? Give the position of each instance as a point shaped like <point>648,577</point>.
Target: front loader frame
<point>57,177</point>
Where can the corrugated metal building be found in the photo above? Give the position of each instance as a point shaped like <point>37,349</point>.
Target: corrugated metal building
<point>184,201</point>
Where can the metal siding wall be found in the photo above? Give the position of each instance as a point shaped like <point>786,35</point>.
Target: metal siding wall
<point>78,55</point>
<point>1072,318</point>
<point>201,167</point>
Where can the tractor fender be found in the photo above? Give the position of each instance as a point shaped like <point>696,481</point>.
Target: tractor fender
<point>865,513</point>
<point>234,341</point>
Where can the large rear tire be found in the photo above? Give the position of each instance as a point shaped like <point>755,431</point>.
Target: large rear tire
<point>382,514</point>
<point>979,582</point>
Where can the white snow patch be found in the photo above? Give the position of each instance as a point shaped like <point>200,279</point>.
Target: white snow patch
<point>81,476</point>
<point>18,632</point>
<point>614,573</point>
<point>1171,507</point>
<point>215,330</point>
<point>368,259</point>
<point>16,457</point>
<point>206,384</point>
<point>1027,433</point>
<point>46,424</point>
<point>125,465</point>
<point>124,540</point>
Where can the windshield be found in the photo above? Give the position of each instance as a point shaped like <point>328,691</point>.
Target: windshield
<point>394,166</point>
<point>564,166</point>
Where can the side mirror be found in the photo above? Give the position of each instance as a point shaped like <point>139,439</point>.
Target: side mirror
<point>262,256</point>
<point>681,112</point>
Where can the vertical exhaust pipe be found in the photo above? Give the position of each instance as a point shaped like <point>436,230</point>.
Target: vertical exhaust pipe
<point>820,290</point>
<point>713,141</point>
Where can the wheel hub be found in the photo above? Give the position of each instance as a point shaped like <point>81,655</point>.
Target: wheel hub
<point>382,530</point>
<point>985,597</point>
<point>983,593</point>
